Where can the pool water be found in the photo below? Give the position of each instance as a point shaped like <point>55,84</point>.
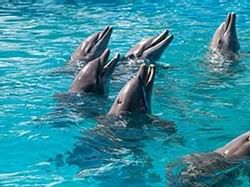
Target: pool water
<point>39,132</point>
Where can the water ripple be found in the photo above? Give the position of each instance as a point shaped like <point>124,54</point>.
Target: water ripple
<point>36,125</point>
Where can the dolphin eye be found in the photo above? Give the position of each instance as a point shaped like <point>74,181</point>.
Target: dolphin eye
<point>119,101</point>
<point>219,43</point>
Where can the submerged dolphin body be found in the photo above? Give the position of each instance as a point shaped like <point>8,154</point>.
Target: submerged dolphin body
<point>116,148</point>
<point>94,76</point>
<point>150,49</point>
<point>225,40</point>
<point>92,47</point>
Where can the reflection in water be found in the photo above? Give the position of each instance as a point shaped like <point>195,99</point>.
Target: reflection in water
<point>72,109</point>
<point>218,64</point>
<point>116,145</point>
<point>82,105</point>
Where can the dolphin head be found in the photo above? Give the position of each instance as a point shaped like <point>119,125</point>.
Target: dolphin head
<point>151,48</point>
<point>95,75</point>
<point>238,147</point>
<point>225,37</point>
<point>135,96</point>
<point>93,46</point>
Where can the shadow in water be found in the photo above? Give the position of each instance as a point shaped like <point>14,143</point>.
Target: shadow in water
<point>115,148</point>
<point>73,110</point>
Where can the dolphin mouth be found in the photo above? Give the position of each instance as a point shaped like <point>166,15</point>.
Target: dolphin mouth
<point>163,38</point>
<point>108,66</point>
<point>105,34</point>
<point>157,45</point>
<point>230,22</point>
<point>104,57</point>
<point>112,63</point>
<point>151,48</point>
<point>150,76</point>
<point>146,75</point>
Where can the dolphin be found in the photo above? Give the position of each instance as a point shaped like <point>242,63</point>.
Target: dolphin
<point>237,148</point>
<point>220,167</point>
<point>92,47</point>
<point>150,49</point>
<point>225,40</point>
<point>135,96</point>
<point>94,76</point>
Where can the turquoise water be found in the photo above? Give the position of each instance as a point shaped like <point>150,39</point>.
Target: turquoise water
<point>38,132</point>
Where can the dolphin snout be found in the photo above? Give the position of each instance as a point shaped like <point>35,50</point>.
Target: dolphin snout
<point>150,75</point>
<point>158,46</point>
<point>151,48</point>
<point>146,74</point>
<point>160,38</point>
<point>104,57</point>
<point>142,73</point>
<point>106,33</point>
<point>230,23</point>
<point>109,67</point>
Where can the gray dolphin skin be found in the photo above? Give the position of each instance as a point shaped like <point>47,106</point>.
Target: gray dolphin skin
<point>151,48</point>
<point>92,47</point>
<point>219,168</point>
<point>94,77</point>
<point>238,147</point>
<point>135,96</point>
<point>225,38</point>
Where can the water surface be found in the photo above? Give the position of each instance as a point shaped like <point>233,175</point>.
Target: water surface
<point>38,131</point>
